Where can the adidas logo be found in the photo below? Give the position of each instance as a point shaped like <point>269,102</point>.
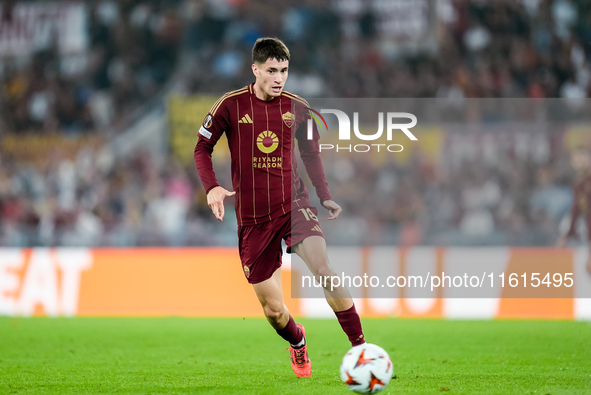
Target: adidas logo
<point>245,119</point>
<point>317,228</point>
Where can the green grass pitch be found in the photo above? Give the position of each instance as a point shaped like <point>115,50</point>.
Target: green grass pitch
<point>228,356</point>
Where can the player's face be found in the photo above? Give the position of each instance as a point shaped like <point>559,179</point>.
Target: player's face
<point>270,78</point>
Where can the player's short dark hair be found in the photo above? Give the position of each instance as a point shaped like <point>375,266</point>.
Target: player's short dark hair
<point>269,48</point>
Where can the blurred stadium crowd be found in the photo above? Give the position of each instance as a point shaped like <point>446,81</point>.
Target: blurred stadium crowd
<point>133,52</point>
<point>470,48</point>
<point>130,51</point>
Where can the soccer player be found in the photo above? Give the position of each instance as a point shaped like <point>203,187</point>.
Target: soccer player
<point>262,122</point>
<point>581,163</point>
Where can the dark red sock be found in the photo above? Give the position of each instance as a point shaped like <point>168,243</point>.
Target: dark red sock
<point>291,332</point>
<point>351,324</point>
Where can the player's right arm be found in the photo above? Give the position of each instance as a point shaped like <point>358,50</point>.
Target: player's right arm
<point>215,201</point>
<point>214,125</point>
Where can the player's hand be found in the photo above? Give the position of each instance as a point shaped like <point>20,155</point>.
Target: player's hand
<point>215,200</point>
<point>333,208</point>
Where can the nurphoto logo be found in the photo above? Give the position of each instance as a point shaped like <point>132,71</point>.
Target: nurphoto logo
<point>392,124</point>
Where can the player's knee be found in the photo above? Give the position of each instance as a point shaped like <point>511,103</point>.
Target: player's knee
<point>274,312</point>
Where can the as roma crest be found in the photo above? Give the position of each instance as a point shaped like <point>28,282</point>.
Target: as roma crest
<point>289,119</point>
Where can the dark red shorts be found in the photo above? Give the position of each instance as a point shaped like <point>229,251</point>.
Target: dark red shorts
<point>260,245</point>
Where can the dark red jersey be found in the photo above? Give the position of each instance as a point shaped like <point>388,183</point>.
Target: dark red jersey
<point>261,137</point>
<point>581,204</point>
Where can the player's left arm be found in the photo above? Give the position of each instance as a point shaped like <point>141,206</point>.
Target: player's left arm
<point>310,154</point>
<point>333,208</point>
<point>574,215</point>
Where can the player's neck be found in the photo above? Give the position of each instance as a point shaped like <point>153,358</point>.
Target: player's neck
<point>258,92</point>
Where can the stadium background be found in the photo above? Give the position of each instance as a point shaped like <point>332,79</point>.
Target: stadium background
<point>101,101</point>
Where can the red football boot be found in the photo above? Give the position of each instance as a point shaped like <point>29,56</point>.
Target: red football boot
<point>300,363</point>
